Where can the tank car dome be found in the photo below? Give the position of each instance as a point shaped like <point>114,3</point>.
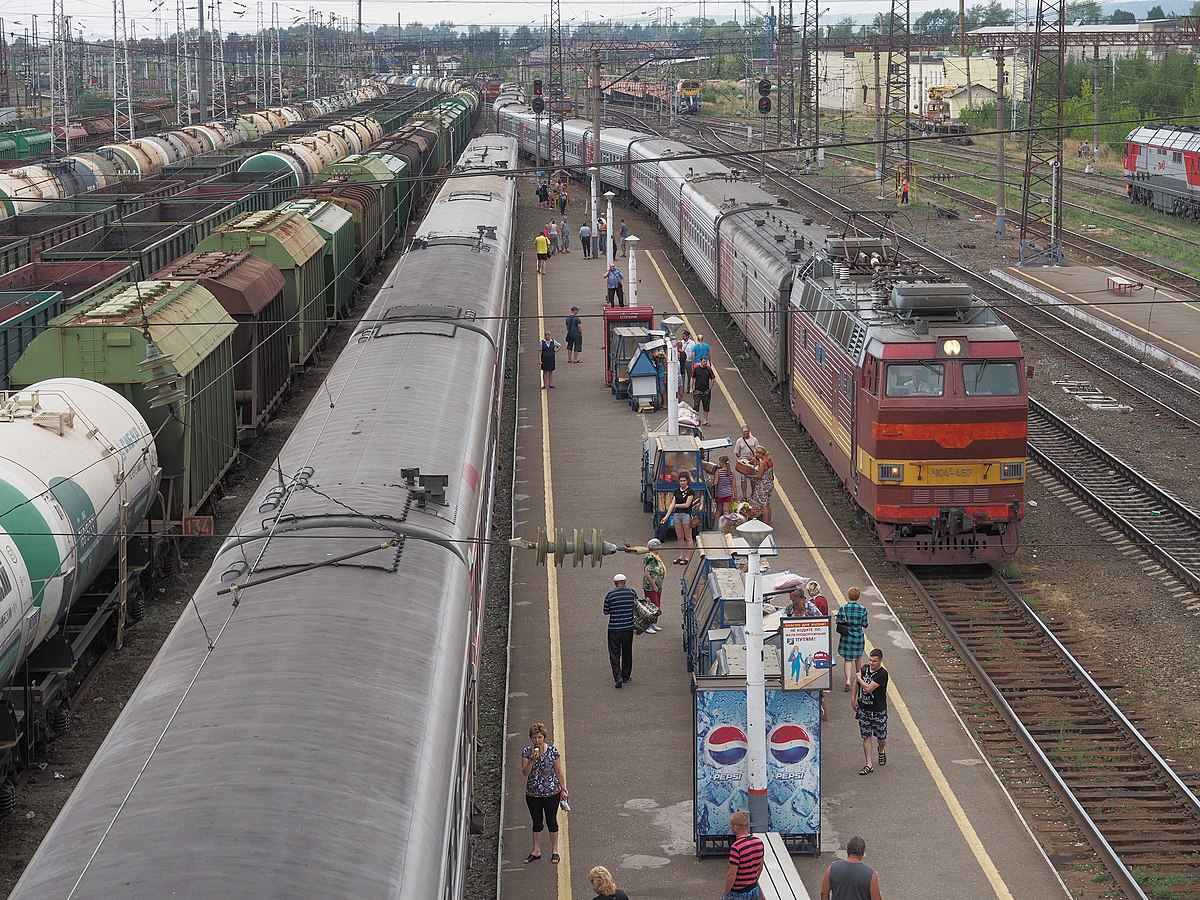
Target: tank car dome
<point>132,159</point>
<point>278,160</point>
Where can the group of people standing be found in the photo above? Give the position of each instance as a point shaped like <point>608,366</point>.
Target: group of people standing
<point>551,196</point>
<point>755,482</point>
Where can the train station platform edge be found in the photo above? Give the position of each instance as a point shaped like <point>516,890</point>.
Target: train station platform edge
<point>936,819</point>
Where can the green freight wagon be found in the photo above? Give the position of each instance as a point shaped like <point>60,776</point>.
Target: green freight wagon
<point>26,142</point>
<point>153,245</point>
<point>78,281</point>
<point>291,242</point>
<point>336,226</point>
<point>402,184</point>
<point>202,216</point>
<point>23,316</point>
<point>103,340</point>
<point>251,291</point>
<point>376,174</point>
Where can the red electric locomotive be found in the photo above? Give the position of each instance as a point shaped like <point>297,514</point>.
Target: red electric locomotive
<point>916,394</point>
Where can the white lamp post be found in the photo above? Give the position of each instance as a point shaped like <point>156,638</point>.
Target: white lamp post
<point>672,324</point>
<point>595,170</point>
<point>610,255</point>
<point>631,242</point>
<point>755,532</point>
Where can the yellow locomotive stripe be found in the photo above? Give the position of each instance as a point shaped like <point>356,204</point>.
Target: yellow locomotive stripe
<point>970,835</point>
<point>939,473</point>
<point>841,435</point>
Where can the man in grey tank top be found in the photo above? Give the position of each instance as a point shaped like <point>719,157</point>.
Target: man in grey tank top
<point>851,878</point>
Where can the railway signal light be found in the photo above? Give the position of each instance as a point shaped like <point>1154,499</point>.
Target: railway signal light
<point>537,87</point>
<point>539,102</point>
<point>764,105</point>
<point>764,88</point>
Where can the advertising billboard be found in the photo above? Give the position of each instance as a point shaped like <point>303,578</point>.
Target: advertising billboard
<point>807,661</point>
<point>793,732</point>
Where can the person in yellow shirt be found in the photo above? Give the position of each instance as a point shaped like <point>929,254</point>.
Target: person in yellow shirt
<point>541,246</point>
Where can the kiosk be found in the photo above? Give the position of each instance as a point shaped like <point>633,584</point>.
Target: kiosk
<point>714,615</point>
<point>624,343</point>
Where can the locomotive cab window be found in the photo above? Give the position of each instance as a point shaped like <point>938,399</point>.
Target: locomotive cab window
<point>916,380</point>
<point>991,379</point>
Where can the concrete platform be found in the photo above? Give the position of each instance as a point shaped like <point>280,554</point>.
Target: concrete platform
<point>936,820</point>
<point>1149,318</point>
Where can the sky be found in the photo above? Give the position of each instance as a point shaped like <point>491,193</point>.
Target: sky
<point>96,15</point>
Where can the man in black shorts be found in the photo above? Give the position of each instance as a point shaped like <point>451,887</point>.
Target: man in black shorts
<point>703,377</point>
<point>574,336</point>
<point>870,707</point>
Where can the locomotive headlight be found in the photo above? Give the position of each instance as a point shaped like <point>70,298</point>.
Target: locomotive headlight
<point>1011,471</point>
<point>891,471</point>
<point>952,347</point>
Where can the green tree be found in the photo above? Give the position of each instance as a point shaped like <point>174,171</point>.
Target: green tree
<point>982,15</point>
<point>1087,11</point>
<point>941,21</point>
<point>1195,10</point>
<point>844,29</point>
<point>1121,17</point>
<point>1156,12</point>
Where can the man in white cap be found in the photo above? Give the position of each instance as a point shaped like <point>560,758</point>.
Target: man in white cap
<point>618,606</point>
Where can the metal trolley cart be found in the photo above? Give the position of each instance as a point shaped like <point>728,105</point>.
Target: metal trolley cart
<point>622,316</point>
<point>664,457</point>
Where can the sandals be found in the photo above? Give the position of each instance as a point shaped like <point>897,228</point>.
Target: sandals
<point>531,858</point>
<point>865,770</point>
<point>554,858</point>
<point>882,758</point>
<point>681,561</point>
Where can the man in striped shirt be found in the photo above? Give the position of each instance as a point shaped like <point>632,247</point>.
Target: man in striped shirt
<point>618,606</point>
<point>745,860</point>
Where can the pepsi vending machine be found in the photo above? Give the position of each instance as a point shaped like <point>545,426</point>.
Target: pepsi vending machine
<point>793,763</point>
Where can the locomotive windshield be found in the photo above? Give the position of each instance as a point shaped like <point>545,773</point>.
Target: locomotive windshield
<point>991,379</point>
<point>916,380</point>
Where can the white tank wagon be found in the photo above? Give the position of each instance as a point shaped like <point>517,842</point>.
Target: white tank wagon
<point>78,470</point>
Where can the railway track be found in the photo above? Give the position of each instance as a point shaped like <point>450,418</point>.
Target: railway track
<point>1141,818</point>
<point>1161,525</point>
<point>1114,793</point>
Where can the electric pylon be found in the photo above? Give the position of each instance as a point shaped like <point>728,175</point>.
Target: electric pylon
<point>1041,201</point>
<point>60,79</point>
<point>121,92</point>
<point>895,108</point>
<point>220,92</point>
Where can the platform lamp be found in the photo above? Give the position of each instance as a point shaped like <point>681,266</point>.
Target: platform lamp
<point>672,324</point>
<point>610,250</point>
<point>631,242</point>
<point>595,170</point>
<point>755,533</point>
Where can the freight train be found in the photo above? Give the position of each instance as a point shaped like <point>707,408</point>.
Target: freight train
<point>340,683</point>
<point>1162,169</point>
<point>911,387</point>
<point>26,188</point>
<point>225,325</point>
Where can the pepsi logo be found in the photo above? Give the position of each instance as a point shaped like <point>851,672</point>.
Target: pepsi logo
<point>789,744</point>
<point>726,745</point>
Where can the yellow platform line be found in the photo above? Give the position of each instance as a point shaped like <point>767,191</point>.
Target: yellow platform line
<point>558,717</point>
<point>894,696</point>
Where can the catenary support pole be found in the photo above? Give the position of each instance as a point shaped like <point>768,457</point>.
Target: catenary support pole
<point>1000,124</point>
<point>597,100</point>
<point>755,532</point>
